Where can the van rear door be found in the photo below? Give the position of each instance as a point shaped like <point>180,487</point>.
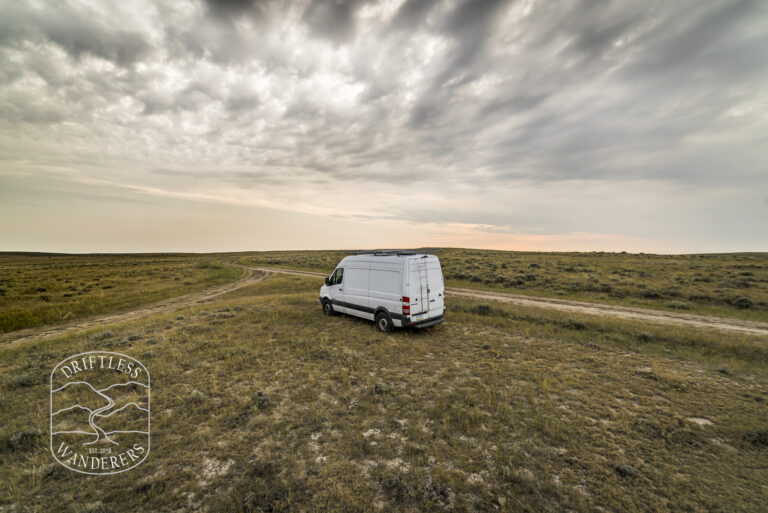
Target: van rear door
<point>427,289</point>
<point>436,287</point>
<point>419,285</point>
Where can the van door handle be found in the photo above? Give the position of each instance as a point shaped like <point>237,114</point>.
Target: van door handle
<point>432,300</point>
<point>340,288</point>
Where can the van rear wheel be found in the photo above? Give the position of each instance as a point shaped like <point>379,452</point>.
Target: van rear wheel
<point>328,308</point>
<point>384,322</point>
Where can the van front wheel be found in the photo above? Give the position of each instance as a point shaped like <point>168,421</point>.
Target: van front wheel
<point>328,308</point>
<point>383,322</point>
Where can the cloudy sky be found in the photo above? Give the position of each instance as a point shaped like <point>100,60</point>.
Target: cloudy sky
<point>243,124</point>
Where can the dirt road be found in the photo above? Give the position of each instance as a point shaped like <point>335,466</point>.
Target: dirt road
<point>253,274</point>
<point>581,307</point>
<point>250,276</point>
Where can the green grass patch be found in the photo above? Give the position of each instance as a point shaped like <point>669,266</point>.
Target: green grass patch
<point>38,289</point>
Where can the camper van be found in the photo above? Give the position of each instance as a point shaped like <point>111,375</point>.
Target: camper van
<point>393,288</point>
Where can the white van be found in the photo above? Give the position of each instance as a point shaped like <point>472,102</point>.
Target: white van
<point>393,288</point>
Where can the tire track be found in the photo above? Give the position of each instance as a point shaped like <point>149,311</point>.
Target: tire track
<point>583,307</point>
<point>167,305</point>
<point>620,312</point>
<point>254,274</point>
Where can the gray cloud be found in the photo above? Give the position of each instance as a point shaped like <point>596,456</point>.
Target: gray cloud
<point>704,41</point>
<point>471,24</point>
<point>333,19</point>
<point>412,14</point>
<point>229,9</point>
<point>468,100</point>
<point>75,31</point>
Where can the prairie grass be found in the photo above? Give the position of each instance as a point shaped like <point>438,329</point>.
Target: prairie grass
<point>729,285</point>
<point>37,289</point>
<point>262,403</point>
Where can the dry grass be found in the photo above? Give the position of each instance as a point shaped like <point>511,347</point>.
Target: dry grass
<point>261,403</point>
<point>729,285</point>
<point>37,289</point>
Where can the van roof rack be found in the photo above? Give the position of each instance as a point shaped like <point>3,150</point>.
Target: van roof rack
<point>388,252</point>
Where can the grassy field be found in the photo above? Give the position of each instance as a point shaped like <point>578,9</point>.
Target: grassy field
<point>728,285</point>
<point>37,289</point>
<point>261,403</point>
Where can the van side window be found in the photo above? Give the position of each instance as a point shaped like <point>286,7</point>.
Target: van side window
<point>337,276</point>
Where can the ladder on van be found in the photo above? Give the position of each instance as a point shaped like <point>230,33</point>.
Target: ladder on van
<point>421,265</point>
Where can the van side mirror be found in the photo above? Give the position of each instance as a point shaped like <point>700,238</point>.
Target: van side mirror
<point>327,281</point>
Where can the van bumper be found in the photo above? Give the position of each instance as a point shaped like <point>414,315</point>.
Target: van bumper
<point>426,323</point>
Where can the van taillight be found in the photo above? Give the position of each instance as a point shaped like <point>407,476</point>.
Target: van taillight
<point>406,305</point>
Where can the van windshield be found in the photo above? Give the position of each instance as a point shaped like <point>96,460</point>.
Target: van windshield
<point>337,276</point>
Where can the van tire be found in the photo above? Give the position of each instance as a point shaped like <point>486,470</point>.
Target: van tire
<point>384,322</point>
<point>328,308</point>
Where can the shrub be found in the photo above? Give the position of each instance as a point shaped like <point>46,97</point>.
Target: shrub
<point>212,265</point>
<point>574,325</point>
<point>262,401</point>
<point>53,471</point>
<point>104,335</point>
<point>679,305</point>
<point>743,303</point>
<point>735,283</point>
<point>24,440</point>
<point>625,470</point>
<point>759,438</point>
<point>481,310</point>
<point>395,486</point>
<point>22,381</point>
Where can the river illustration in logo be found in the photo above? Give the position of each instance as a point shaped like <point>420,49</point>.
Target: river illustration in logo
<point>100,412</point>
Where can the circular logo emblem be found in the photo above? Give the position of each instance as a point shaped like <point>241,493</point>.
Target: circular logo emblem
<point>100,412</point>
